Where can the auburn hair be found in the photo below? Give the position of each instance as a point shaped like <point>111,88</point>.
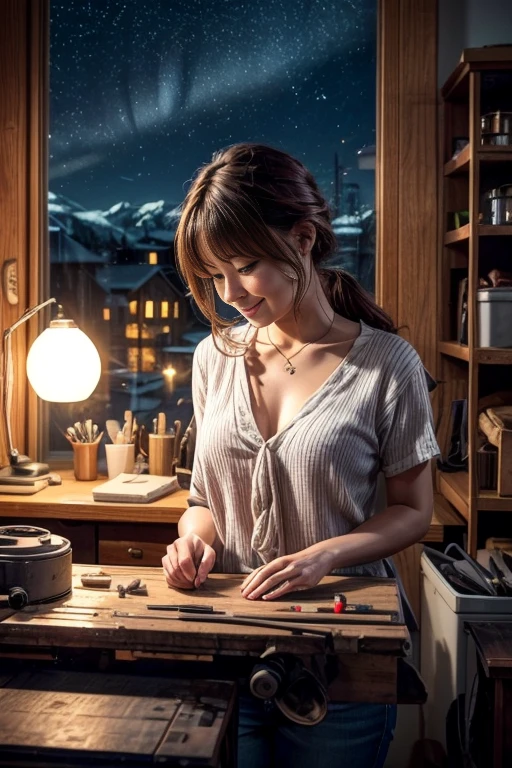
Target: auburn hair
<point>244,203</point>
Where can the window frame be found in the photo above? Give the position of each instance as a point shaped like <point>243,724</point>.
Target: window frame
<point>406,172</point>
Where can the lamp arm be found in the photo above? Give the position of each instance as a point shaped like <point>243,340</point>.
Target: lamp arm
<point>9,370</point>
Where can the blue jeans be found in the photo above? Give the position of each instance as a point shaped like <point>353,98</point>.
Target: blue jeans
<point>351,735</point>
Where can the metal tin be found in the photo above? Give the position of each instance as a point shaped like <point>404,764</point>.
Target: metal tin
<point>496,129</point>
<point>497,122</point>
<point>494,312</point>
<point>497,205</point>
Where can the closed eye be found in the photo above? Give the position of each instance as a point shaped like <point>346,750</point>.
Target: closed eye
<point>248,268</point>
<point>242,271</point>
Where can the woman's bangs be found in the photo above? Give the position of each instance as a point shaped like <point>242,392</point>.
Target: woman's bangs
<point>230,232</point>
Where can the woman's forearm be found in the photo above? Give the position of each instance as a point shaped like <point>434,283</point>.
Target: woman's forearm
<point>198,520</point>
<point>387,532</point>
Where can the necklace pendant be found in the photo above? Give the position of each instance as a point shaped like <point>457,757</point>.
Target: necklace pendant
<point>289,368</point>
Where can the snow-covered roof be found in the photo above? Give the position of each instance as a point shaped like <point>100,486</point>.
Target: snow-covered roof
<point>129,277</point>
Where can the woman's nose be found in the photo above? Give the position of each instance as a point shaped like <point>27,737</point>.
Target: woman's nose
<point>233,289</point>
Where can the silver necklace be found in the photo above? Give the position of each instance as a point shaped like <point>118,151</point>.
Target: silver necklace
<point>289,367</point>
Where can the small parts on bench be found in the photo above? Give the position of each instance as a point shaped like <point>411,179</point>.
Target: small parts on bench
<point>99,580</point>
<point>135,587</point>
<point>340,602</point>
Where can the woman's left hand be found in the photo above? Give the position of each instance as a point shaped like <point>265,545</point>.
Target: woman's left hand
<point>289,573</point>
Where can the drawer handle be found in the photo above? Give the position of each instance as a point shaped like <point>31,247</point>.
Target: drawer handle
<point>135,552</point>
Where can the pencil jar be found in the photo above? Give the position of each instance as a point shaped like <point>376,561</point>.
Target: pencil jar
<point>161,454</point>
<point>85,460</point>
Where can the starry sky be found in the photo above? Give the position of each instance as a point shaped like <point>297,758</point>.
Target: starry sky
<point>142,92</point>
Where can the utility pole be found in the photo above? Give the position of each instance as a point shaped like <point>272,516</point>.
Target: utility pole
<point>338,184</point>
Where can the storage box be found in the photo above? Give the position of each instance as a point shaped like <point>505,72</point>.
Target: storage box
<point>443,656</point>
<point>494,312</point>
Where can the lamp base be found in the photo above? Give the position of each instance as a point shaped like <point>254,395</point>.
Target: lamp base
<point>25,468</point>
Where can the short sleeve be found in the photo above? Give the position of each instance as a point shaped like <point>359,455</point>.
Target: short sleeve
<point>407,435</point>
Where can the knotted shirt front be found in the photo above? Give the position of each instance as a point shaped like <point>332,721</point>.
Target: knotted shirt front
<point>318,477</point>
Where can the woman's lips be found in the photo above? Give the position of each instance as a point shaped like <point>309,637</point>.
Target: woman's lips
<point>251,311</point>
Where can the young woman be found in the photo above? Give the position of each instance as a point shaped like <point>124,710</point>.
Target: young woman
<point>299,408</point>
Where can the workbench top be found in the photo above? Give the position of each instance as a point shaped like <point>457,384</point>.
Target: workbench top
<point>94,617</point>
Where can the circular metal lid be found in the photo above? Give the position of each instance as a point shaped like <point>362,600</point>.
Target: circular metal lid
<point>28,542</point>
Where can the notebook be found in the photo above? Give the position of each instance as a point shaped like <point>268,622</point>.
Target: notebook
<point>135,489</point>
<point>24,488</point>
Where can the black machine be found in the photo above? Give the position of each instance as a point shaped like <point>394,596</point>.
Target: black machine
<point>35,566</point>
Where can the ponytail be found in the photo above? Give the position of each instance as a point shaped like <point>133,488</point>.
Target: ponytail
<point>350,300</point>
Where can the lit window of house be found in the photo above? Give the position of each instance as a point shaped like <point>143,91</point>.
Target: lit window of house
<point>153,257</point>
<point>133,307</point>
<point>106,313</point>
<point>149,309</point>
<point>164,309</point>
<point>176,310</point>
<point>132,331</point>
<point>141,359</point>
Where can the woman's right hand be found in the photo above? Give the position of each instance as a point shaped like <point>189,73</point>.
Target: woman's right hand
<point>188,562</point>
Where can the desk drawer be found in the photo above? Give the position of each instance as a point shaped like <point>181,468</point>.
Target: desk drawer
<point>134,544</point>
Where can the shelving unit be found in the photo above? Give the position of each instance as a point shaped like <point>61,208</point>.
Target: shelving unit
<point>481,83</point>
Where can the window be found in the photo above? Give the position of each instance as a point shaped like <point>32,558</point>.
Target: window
<point>141,94</point>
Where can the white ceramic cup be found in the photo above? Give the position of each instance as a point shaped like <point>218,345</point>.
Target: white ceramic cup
<point>120,458</point>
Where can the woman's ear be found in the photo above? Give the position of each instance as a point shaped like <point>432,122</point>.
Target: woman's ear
<point>304,234</point>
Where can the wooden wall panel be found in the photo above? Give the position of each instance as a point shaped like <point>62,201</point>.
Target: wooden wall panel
<point>407,181</point>
<point>23,96</point>
<point>13,189</point>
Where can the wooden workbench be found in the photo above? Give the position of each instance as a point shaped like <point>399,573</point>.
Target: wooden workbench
<point>366,653</point>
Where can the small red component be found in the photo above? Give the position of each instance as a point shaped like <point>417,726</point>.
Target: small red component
<point>340,602</point>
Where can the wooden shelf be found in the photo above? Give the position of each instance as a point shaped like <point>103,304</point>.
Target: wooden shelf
<point>454,349</point>
<point>489,501</point>
<point>477,167</point>
<point>492,356</point>
<point>483,230</point>
<point>489,154</point>
<point>457,235</point>
<point>459,164</point>
<point>454,486</point>
<point>481,355</point>
<point>486,154</point>
<point>490,230</point>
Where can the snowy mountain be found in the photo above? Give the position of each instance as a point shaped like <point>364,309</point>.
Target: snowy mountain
<point>141,220</point>
<point>122,225</point>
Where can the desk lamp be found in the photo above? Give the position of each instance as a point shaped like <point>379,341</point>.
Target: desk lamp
<point>63,366</point>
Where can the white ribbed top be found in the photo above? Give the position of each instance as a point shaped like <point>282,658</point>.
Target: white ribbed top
<point>316,478</point>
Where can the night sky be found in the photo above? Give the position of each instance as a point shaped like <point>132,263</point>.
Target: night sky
<point>143,92</point>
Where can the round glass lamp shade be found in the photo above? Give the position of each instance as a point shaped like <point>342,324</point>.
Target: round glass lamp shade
<point>63,365</point>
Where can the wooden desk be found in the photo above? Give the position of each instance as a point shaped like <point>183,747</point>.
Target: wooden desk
<point>111,533</point>
<point>493,642</point>
<point>73,501</point>
<point>366,653</point>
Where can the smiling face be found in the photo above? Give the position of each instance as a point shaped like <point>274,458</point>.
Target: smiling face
<point>257,288</point>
